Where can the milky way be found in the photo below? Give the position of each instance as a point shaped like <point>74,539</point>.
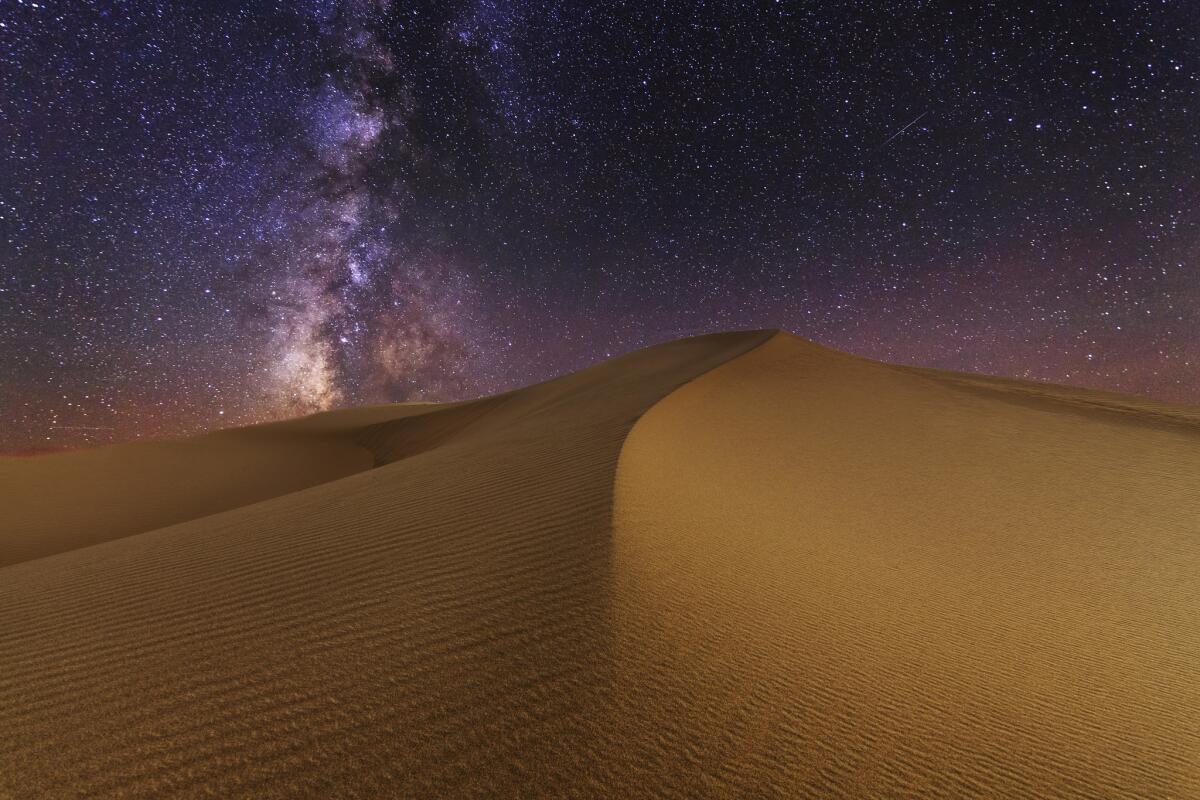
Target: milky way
<point>357,312</point>
<point>221,213</point>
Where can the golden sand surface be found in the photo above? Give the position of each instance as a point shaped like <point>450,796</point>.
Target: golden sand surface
<point>740,565</point>
<point>871,581</point>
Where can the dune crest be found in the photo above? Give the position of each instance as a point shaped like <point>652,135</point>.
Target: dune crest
<point>737,565</point>
<point>933,585</point>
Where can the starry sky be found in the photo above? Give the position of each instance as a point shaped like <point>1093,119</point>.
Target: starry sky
<point>214,212</point>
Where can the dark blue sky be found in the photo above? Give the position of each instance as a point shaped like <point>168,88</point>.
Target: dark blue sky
<point>215,213</point>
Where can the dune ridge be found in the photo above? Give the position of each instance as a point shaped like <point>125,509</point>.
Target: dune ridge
<point>955,586</point>
<point>408,630</point>
<point>737,565</point>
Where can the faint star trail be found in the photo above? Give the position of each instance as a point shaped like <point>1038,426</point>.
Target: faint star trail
<point>891,138</point>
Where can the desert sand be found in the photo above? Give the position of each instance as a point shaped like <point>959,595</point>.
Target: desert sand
<point>740,565</point>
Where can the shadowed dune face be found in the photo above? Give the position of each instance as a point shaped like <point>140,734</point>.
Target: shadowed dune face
<point>801,574</point>
<point>55,503</point>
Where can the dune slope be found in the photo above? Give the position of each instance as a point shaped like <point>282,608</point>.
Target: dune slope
<point>738,565</point>
<point>55,503</point>
<point>911,583</point>
<point>425,628</point>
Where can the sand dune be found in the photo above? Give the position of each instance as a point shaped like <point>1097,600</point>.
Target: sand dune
<point>740,565</point>
<point>61,502</point>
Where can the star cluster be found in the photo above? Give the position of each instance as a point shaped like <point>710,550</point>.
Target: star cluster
<point>223,212</point>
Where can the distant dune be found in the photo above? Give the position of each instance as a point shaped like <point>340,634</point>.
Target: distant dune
<point>740,565</point>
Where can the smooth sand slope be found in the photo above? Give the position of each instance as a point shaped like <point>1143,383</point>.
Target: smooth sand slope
<point>739,565</point>
<point>56,503</point>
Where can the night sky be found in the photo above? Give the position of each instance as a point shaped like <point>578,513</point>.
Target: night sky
<point>215,213</point>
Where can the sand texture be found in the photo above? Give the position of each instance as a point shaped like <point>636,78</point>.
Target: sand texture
<point>739,565</point>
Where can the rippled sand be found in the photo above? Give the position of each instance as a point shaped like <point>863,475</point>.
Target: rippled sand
<point>740,565</point>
